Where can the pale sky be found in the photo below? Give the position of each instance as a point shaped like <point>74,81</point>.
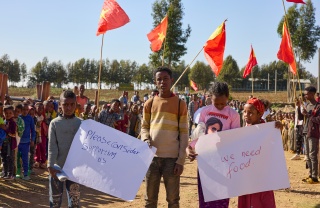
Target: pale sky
<point>66,30</point>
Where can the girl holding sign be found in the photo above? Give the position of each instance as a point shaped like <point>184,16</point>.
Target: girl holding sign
<point>228,119</point>
<point>252,114</point>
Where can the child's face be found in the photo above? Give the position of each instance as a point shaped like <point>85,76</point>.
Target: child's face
<point>40,109</point>
<point>68,106</point>
<point>219,101</point>
<point>8,114</point>
<point>25,110</point>
<point>17,112</point>
<point>31,112</point>
<point>251,115</point>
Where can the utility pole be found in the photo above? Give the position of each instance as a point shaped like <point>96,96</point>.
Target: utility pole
<point>275,82</point>
<point>268,81</point>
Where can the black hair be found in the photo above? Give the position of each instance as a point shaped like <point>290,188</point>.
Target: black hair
<point>115,100</point>
<point>211,121</point>
<point>219,89</point>
<point>1,104</point>
<point>162,69</point>
<point>67,94</point>
<point>8,107</point>
<point>18,106</point>
<point>310,89</point>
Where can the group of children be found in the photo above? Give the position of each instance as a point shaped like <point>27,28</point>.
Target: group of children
<point>24,134</point>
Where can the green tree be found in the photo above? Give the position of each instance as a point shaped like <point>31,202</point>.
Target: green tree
<point>142,75</point>
<point>303,29</point>
<point>24,73</point>
<point>201,74</point>
<point>229,72</point>
<point>14,71</point>
<point>176,37</point>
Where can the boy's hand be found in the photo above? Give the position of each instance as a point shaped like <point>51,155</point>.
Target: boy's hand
<point>53,172</point>
<point>191,153</point>
<point>178,169</point>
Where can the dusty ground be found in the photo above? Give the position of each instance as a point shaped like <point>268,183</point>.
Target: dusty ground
<point>34,193</point>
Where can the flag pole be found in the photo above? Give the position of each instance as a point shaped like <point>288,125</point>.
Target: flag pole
<point>99,77</point>
<point>186,68</point>
<point>252,81</point>
<point>164,48</point>
<point>298,79</point>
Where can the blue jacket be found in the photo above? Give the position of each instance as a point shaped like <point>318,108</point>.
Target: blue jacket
<point>29,129</point>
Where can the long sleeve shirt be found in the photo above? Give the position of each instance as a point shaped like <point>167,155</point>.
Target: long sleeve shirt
<point>160,125</point>
<point>29,129</point>
<point>61,134</point>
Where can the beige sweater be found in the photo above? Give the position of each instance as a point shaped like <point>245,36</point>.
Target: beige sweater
<point>161,127</point>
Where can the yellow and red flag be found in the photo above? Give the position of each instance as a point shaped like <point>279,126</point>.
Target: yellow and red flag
<point>193,85</point>
<point>297,1</point>
<point>112,16</point>
<point>158,34</point>
<point>251,63</point>
<point>214,48</point>
<point>285,52</point>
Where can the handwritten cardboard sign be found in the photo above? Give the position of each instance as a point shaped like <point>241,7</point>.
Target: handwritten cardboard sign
<point>241,161</point>
<point>108,160</point>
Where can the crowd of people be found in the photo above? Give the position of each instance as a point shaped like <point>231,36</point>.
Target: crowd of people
<point>39,134</point>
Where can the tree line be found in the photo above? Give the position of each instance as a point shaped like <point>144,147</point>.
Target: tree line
<point>304,33</point>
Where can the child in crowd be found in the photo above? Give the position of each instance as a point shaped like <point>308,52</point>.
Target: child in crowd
<point>2,131</point>
<point>134,120</point>
<point>252,114</point>
<point>32,113</point>
<point>87,112</point>
<point>125,119</point>
<point>229,118</point>
<point>61,133</point>
<point>42,132</point>
<point>27,140</point>
<point>20,129</point>
<point>9,144</point>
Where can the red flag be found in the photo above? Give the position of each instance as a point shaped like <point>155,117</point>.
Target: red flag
<point>158,34</point>
<point>285,52</point>
<point>251,63</point>
<point>214,49</point>
<point>112,16</point>
<point>296,1</point>
<point>193,85</point>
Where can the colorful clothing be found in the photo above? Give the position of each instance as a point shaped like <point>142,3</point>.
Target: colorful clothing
<point>228,116</point>
<point>230,120</point>
<point>108,118</point>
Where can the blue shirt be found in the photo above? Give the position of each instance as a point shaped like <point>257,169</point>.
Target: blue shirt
<point>29,130</point>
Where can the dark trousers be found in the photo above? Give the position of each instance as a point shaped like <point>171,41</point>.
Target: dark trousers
<point>7,155</point>
<point>162,167</point>
<point>299,139</point>
<point>312,145</point>
<point>56,191</point>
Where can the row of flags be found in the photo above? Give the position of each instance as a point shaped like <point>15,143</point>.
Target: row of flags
<point>112,16</point>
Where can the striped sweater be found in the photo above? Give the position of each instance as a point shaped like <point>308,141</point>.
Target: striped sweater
<point>161,127</point>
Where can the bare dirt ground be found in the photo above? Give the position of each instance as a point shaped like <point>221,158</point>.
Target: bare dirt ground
<point>34,193</point>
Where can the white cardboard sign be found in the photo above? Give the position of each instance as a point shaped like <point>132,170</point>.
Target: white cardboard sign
<point>108,160</point>
<point>241,161</point>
